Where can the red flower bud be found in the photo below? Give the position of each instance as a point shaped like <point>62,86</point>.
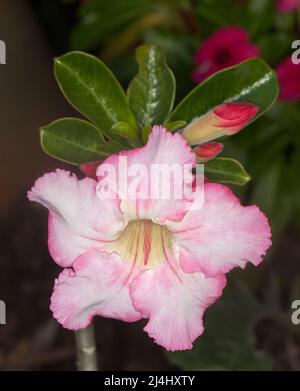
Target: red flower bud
<point>224,120</point>
<point>208,151</point>
<point>89,169</point>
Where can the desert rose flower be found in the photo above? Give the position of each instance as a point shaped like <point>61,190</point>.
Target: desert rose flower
<point>145,258</point>
<point>228,46</point>
<point>224,120</point>
<point>208,151</point>
<point>287,5</point>
<point>289,80</point>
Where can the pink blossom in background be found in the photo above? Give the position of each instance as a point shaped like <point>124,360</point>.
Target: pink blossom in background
<point>226,47</point>
<point>287,5</point>
<point>289,80</point>
<point>132,259</point>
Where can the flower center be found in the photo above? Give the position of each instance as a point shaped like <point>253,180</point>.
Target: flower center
<point>143,243</point>
<point>222,56</point>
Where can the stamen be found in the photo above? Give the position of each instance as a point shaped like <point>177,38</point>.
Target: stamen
<point>143,243</point>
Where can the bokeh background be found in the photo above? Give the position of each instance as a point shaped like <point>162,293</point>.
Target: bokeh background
<point>250,328</point>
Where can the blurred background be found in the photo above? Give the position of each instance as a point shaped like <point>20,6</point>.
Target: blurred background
<point>250,328</point>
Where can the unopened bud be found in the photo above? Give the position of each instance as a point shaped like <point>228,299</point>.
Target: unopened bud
<point>208,151</point>
<point>224,120</point>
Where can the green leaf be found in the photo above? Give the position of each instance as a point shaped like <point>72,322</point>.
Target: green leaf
<point>145,133</point>
<point>75,141</point>
<point>226,170</point>
<point>176,125</point>
<point>179,50</point>
<point>152,91</point>
<point>251,81</point>
<point>228,342</point>
<point>122,132</point>
<point>123,129</point>
<point>92,89</point>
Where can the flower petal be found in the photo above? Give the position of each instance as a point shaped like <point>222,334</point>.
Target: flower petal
<point>163,150</point>
<point>78,220</point>
<point>287,5</point>
<point>174,304</point>
<point>222,235</point>
<point>289,80</point>
<point>97,285</point>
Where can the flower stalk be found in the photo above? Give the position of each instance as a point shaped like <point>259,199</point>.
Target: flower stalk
<point>86,349</point>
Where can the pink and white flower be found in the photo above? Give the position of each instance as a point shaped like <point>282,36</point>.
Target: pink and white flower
<point>150,259</point>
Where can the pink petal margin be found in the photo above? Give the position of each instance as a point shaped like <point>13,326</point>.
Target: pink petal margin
<point>78,220</point>
<point>96,285</point>
<point>174,304</point>
<point>222,235</point>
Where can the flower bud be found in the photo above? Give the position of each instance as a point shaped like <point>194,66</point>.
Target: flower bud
<point>208,151</point>
<point>89,169</point>
<point>224,120</point>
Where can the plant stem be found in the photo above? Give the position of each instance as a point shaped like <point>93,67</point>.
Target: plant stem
<point>86,349</point>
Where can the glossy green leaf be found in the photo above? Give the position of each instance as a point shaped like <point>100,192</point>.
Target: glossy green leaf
<point>123,129</point>
<point>92,89</point>
<point>75,141</point>
<point>152,91</point>
<point>251,81</point>
<point>123,132</point>
<point>179,50</point>
<point>226,170</point>
<point>145,133</point>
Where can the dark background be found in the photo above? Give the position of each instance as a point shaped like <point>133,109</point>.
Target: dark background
<point>35,32</point>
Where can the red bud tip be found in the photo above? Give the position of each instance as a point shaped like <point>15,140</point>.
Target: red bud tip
<point>89,169</point>
<point>235,115</point>
<point>208,151</point>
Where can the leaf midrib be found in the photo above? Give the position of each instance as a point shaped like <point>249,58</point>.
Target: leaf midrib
<point>90,90</point>
<point>72,142</point>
